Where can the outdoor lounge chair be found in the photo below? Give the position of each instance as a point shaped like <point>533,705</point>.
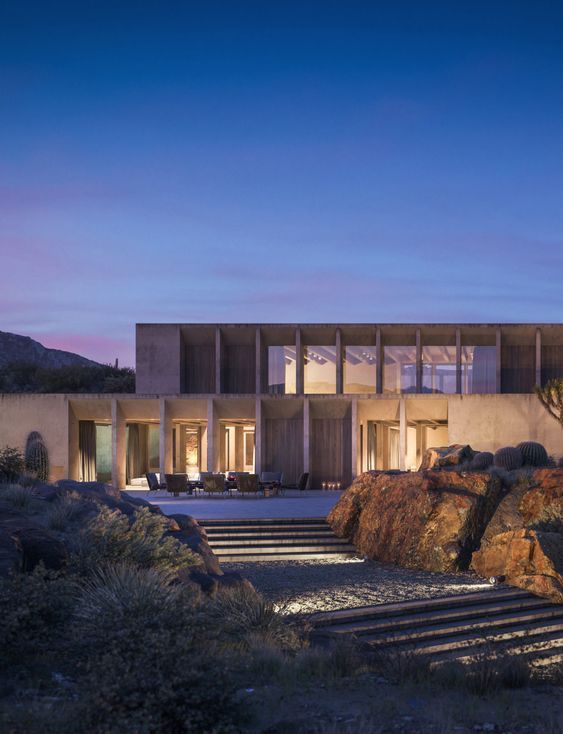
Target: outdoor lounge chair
<point>301,484</point>
<point>248,483</point>
<point>214,484</point>
<point>152,481</point>
<point>271,480</point>
<point>176,483</point>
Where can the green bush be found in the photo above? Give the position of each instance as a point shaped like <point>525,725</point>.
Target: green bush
<point>33,608</point>
<point>111,538</point>
<point>63,511</point>
<point>11,465</point>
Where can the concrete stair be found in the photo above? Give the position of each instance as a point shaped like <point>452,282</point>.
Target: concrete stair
<point>453,627</point>
<point>275,540</point>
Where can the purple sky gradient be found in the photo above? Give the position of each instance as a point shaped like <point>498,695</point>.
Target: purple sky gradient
<point>287,162</point>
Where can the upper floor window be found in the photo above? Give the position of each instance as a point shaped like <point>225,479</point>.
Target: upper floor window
<point>320,369</point>
<point>282,370</point>
<point>399,373</point>
<point>439,369</point>
<point>478,370</point>
<point>360,370</point>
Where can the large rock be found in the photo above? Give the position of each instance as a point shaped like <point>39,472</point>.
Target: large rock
<point>424,520</point>
<point>94,490</point>
<point>524,540</point>
<point>41,546</point>
<point>190,532</point>
<point>446,456</point>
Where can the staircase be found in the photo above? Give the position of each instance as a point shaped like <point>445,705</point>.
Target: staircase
<point>453,627</point>
<point>275,540</point>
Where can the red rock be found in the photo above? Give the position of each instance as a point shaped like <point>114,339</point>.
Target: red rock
<point>425,520</point>
<point>446,456</point>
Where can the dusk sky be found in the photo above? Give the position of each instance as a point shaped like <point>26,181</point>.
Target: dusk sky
<point>277,161</point>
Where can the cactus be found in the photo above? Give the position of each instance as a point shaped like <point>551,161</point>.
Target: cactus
<point>36,457</point>
<point>533,454</point>
<point>482,460</point>
<point>508,458</point>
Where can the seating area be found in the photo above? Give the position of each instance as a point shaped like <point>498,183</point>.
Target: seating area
<point>229,484</point>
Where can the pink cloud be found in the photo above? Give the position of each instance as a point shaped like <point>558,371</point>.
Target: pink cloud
<point>99,348</point>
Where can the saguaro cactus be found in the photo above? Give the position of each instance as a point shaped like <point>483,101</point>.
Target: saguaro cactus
<point>36,457</point>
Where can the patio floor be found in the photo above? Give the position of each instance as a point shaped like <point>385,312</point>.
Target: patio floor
<point>311,503</point>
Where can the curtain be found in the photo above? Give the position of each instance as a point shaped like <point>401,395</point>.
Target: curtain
<point>372,444</point>
<point>87,451</point>
<point>137,451</point>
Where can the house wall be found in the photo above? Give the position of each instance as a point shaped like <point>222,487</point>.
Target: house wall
<point>159,359</point>
<point>48,414</point>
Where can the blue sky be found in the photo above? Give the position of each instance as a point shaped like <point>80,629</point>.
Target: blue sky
<point>296,161</point>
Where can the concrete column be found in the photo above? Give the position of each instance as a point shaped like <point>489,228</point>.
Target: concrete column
<point>402,434</point>
<point>499,357</point>
<point>258,438</point>
<point>181,448</point>
<point>73,460</point>
<point>339,363</point>
<point>300,365</point>
<point>458,361</point>
<point>239,448</point>
<point>538,356</point>
<point>379,355</point>
<point>212,437</point>
<point>218,360</point>
<point>118,445</point>
<point>306,435</point>
<point>258,361</point>
<point>355,439</point>
<point>165,444</point>
<point>418,361</point>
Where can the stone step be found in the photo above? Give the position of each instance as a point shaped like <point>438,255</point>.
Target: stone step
<point>265,530</point>
<point>483,623</point>
<point>268,540</point>
<point>412,606</point>
<point>284,521</point>
<point>293,555</point>
<point>436,616</point>
<point>274,548</point>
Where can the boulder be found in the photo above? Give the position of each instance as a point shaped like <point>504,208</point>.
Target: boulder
<point>524,540</point>
<point>424,520</point>
<point>93,489</point>
<point>446,456</point>
<point>194,536</point>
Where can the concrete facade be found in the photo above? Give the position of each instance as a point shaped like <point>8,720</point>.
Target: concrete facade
<point>242,421</point>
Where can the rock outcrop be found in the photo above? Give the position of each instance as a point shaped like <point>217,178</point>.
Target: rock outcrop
<point>524,540</point>
<point>446,456</point>
<point>430,520</point>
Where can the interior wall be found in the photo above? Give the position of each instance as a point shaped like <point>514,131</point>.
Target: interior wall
<point>283,447</point>
<point>331,451</point>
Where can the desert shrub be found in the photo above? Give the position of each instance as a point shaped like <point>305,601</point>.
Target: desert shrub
<point>62,512</point>
<point>111,538</point>
<point>116,595</point>
<point>16,495</point>
<point>514,672</point>
<point>483,675</point>
<point>11,465</point>
<point>340,660</point>
<point>401,666</point>
<point>243,614</point>
<point>160,679</point>
<point>34,608</point>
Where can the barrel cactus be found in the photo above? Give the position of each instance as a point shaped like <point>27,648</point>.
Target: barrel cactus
<point>36,457</point>
<point>508,458</point>
<point>533,454</point>
<point>482,460</point>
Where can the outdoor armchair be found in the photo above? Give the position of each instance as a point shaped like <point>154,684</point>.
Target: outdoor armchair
<point>176,483</point>
<point>152,481</point>
<point>214,484</point>
<point>248,483</point>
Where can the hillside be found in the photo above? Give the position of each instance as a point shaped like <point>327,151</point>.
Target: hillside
<point>22,349</point>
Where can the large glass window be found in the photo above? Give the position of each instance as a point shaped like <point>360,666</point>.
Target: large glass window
<point>320,369</point>
<point>439,369</point>
<point>281,370</point>
<point>478,370</point>
<point>360,369</point>
<point>399,374</point>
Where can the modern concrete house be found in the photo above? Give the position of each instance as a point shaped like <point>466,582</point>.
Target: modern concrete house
<point>330,399</point>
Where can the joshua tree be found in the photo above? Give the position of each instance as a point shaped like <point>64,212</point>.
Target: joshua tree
<point>551,397</point>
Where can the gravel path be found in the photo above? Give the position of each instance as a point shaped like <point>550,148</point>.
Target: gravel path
<point>314,586</point>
